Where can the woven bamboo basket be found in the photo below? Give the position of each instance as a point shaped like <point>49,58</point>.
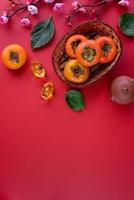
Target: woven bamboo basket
<point>90,29</point>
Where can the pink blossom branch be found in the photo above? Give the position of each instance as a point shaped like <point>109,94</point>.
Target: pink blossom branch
<point>31,6</point>
<point>20,7</point>
<point>17,10</point>
<point>91,9</point>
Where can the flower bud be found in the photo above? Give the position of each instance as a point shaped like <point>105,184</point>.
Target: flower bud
<point>75,5</point>
<point>33,9</point>
<point>49,1</point>
<point>3,19</point>
<point>25,21</point>
<point>58,7</point>
<point>124,3</point>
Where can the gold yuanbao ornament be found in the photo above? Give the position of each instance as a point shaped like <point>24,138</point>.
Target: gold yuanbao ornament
<point>47,91</point>
<point>38,69</point>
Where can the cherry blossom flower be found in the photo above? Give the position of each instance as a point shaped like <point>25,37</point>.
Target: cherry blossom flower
<point>3,19</point>
<point>75,5</point>
<point>58,7</point>
<point>33,9</point>
<point>25,21</point>
<point>83,10</point>
<point>124,3</point>
<point>49,1</point>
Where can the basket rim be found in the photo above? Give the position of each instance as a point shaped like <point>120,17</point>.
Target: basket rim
<point>81,85</point>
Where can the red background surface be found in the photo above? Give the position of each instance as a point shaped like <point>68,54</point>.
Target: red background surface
<point>47,151</point>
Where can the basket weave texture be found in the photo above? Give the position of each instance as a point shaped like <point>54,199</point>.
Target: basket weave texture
<point>91,29</point>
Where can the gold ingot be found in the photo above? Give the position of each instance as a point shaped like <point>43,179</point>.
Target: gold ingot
<point>38,70</point>
<point>47,91</point>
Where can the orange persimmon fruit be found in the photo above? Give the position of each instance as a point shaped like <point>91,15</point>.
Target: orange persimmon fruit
<point>13,56</point>
<point>88,53</point>
<point>72,43</point>
<point>108,47</point>
<point>75,72</point>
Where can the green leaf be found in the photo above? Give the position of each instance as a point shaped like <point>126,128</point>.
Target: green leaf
<point>42,33</point>
<point>74,99</point>
<point>126,24</point>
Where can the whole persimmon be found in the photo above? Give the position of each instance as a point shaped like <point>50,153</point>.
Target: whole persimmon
<point>72,44</point>
<point>75,72</point>
<point>108,47</point>
<point>13,56</point>
<point>88,53</point>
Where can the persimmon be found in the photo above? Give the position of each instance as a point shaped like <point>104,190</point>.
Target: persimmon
<point>13,56</point>
<point>108,47</point>
<point>75,72</point>
<point>72,43</point>
<point>88,53</point>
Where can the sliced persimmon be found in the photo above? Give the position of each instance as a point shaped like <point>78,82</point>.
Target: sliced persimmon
<point>108,47</point>
<point>88,53</point>
<point>72,44</point>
